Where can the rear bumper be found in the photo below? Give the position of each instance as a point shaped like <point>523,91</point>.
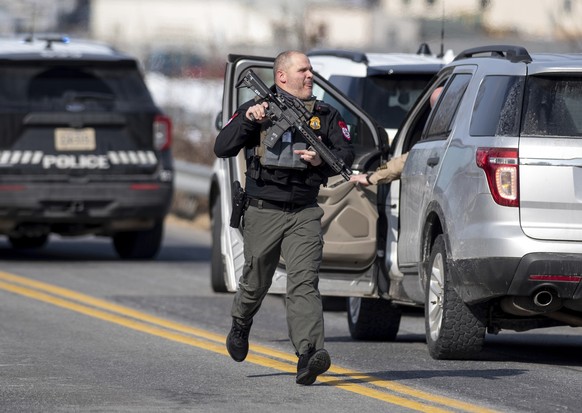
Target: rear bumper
<point>482,279</point>
<point>559,272</point>
<point>109,204</point>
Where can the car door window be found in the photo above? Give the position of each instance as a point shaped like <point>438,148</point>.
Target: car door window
<point>440,125</point>
<point>244,94</point>
<point>362,138</point>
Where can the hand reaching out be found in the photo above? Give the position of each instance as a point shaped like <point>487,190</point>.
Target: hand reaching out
<point>360,179</point>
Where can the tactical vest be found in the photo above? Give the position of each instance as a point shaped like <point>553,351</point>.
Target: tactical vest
<point>281,155</point>
<point>280,164</point>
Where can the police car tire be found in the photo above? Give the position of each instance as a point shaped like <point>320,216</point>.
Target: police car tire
<point>373,319</point>
<point>139,244</point>
<point>216,265</point>
<point>28,242</point>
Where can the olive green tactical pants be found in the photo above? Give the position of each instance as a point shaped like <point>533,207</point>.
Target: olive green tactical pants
<point>297,237</point>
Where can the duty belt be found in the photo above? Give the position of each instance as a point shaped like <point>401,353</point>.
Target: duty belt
<point>278,205</point>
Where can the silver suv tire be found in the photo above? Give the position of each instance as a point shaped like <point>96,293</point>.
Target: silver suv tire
<point>453,329</point>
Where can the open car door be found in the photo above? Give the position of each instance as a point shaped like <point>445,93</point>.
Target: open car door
<point>350,263</point>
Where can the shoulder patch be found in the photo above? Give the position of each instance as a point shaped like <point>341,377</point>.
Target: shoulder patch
<point>345,130</point>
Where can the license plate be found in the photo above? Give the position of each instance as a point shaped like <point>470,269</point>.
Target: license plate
<point>70,139</point>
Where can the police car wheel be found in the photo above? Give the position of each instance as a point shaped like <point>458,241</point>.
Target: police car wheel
<point>23,242</point>
<point>139,244</point>
<point>373,319</point>
<point>216,266</point>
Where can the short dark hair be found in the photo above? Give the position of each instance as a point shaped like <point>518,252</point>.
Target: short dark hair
<point>282,60</point>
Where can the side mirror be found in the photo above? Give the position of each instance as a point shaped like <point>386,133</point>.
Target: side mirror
<point>218,121</point>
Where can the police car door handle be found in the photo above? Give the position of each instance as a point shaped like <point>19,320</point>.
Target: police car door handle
<point>433,161</point>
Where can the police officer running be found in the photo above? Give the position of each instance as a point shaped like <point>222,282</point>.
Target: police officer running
<point>282,218</point>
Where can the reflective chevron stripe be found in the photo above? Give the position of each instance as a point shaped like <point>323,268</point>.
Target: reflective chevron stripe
<point>132,157</point>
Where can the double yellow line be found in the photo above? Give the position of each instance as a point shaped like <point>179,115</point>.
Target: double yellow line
<point>349,380</point>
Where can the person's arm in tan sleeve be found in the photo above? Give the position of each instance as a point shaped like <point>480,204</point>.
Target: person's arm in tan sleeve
<point>384,174</point>
<point>389,172</point>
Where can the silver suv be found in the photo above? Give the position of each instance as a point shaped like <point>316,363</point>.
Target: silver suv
<point>490,200</point>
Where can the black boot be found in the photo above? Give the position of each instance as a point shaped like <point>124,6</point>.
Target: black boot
<point>237,342</point>
<point>311,364</point>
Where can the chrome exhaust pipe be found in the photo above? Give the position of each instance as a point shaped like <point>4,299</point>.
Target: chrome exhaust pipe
<point>541,302</point>
<point>543,298</point>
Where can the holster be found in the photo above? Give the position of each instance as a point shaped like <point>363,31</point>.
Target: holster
<point>239,201</point>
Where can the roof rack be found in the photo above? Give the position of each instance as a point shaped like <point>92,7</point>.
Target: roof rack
<point>514,54</point>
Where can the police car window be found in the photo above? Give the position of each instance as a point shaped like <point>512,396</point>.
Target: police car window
<point>59,87</point>
<point>352,87</point>
<point>498,106</point>
<point>440,125</point>
<point>388,98</point>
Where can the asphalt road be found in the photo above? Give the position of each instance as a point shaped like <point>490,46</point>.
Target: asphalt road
<point>81,330</point>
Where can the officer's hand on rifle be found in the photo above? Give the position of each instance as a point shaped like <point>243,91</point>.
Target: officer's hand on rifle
<point>257,112</point>
<point>309,155</point>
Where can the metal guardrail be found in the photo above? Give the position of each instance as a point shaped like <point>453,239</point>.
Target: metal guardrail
<point>192,178</point>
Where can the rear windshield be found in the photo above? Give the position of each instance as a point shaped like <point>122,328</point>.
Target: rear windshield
<point>386,98</point>
<point>553,106</point>
<point>34,87</point>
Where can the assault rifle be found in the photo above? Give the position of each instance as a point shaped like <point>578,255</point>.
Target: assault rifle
<point>288,111</point>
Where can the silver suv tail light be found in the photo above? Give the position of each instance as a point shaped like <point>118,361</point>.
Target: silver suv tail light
<point>501,167</point>
<point>162,132</point>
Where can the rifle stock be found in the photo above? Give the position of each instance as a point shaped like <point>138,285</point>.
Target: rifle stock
<point>286,112</point>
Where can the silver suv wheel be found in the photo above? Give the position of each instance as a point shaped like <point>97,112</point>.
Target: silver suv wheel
<point>454,330</point>
<point>434,305</point>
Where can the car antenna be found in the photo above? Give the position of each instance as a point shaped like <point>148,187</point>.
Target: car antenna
<point>30,38</point>
<point>443,32</point>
